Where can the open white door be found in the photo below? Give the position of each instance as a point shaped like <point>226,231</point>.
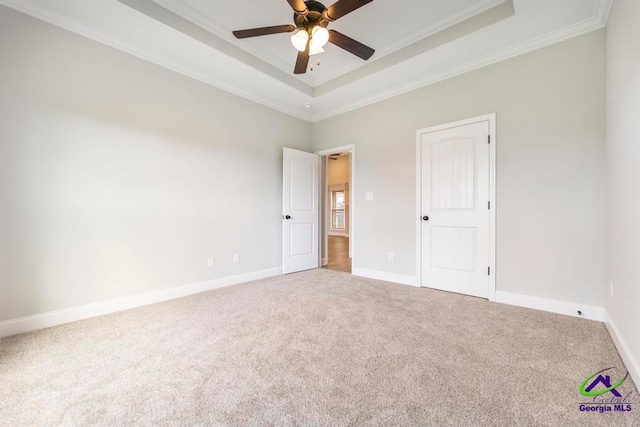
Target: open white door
<point>300,211</point>
<point>455,209</point>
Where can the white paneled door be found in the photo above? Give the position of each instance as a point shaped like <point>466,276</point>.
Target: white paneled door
<point>455,195</point>
<point>300,211</point>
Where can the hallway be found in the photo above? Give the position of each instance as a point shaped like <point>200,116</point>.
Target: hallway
<point>339,254</point>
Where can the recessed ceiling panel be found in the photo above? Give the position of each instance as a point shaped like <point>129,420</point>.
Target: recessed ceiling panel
<point>384,25</point>
<point>417,42</point>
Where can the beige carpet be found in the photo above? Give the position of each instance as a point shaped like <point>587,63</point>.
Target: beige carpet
<point>314,348</point>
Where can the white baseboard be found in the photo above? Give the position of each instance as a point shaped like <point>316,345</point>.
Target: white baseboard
<point>58,317</point>
<point>325,261</point>
<point>387,277</point>
<point>554,306</point>
<point>623,349</point>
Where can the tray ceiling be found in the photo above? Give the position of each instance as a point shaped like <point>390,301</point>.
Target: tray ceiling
<point>417,42</point>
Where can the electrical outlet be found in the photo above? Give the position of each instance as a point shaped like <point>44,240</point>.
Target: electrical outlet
<point>236,258</point>
<point>390,256</point>
<point>211,261</point>
<point>368,196</point>
<point>611,289</point>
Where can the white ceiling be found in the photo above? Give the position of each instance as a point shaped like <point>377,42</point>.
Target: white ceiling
<point>417,42</point>
<point>397,24</point>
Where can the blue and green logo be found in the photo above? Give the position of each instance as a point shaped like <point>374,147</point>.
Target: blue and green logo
<point>604,393</point>
<point>605,380</point>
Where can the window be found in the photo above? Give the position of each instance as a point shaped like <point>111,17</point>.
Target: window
<point>337,210</point>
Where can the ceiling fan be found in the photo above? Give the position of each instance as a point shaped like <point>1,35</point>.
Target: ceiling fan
<point>311,19</point>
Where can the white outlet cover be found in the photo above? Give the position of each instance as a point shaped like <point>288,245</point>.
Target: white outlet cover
<point>368,196</point>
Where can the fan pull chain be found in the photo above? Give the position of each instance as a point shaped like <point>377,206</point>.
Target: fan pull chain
<point>317,63</point>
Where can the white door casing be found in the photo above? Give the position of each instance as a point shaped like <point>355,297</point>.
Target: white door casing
<point>454,201</point>
<point>300,211</point>
<point>351,149</point>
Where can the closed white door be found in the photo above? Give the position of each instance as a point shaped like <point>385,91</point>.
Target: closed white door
<point>300,211</point>
<point>455,209</point>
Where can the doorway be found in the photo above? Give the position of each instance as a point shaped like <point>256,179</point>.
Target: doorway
<point>337,208</point>
<point>456,204</point>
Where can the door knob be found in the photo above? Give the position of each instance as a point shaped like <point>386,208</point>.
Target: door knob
<point>425,218</point>
<point>287,217</point>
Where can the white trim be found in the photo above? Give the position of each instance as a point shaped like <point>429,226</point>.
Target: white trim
<point>554,306</point>
<point>59,317</point>
<point>140,52</point>
<point>325,203</point>
<point>351,148</point>
<point>599,20</point>
<point>185,11</point>
<point>385,276</point>
<point>325,261</point>
<point>603,9</point>
<point>623,349</point>
<point>338,232</point>
<point>491,118</point>
<point>596,22</point>
<point>493,197</point>
<point>341,149</point>
<point>479,7</point>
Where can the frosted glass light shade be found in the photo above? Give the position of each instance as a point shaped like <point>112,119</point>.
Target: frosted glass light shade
<point>315,49</point>
<point>320,35</point>
<point>299,40</point>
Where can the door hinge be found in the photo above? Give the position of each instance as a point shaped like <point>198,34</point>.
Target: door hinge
<point>489,271</point>
<point>488,139</point>
<point>489,204</point>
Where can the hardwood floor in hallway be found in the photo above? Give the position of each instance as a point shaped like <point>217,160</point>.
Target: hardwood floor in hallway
<point>339,254</point>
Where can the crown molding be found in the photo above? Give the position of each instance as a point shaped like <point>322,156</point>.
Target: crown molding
<point>598,21</point>
<point>457,18</point>
<point>603,9</point>
<point>184,10</point>
<point>138,51</point>
<point>187,12</point>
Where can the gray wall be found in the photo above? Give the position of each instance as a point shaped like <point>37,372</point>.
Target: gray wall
<point>551,132</point>
<point>118,177</point>
<point>623,174</point>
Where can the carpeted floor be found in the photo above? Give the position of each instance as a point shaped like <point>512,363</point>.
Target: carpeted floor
<point>313,348</point>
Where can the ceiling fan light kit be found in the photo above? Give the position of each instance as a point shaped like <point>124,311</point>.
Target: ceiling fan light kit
<point>319,36</point>
<point>300,39</point>
<point>311,20</point>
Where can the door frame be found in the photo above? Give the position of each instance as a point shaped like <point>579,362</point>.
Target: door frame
<point>491,118</point>
<point>351,148</point>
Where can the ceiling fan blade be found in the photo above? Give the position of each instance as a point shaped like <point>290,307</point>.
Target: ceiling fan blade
<point>342,7</point>
<point>302,62</point>
<point>350,45</point>
<point>299,7</point>
<point>263,31</point>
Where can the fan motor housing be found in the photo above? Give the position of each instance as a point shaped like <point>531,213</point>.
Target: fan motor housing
<point>313,17</point>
